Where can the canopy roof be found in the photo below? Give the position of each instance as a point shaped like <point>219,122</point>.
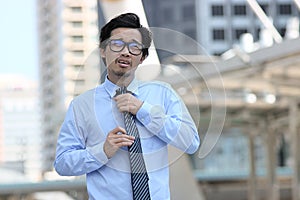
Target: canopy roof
<point>270,76</point>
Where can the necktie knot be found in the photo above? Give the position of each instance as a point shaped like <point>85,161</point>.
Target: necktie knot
<point>122,90</point>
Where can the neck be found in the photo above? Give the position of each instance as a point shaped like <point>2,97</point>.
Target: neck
<point>123,81</point>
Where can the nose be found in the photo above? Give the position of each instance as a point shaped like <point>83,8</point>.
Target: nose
<point>125,52</point>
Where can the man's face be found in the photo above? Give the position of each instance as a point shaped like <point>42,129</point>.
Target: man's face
<point>122,64</point>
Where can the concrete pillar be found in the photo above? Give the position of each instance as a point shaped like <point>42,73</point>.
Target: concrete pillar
<point>272,184</point>
<point>252,173</point>
<point>293,126</point>
<point>183,184</point>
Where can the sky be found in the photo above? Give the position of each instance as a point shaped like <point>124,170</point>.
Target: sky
<point>18,38</point>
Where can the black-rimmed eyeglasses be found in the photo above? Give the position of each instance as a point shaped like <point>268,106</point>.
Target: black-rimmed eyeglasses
<point>118,45</point>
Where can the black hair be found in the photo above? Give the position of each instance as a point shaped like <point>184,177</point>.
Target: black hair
<point>126,20</point>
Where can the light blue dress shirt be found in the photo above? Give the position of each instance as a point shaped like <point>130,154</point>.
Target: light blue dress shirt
<point>163,119</point>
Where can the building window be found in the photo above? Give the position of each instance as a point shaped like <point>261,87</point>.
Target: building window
<point>76,9</point>
<point>79,82</point>
<point>265,8</point>
<point>218,34</point>
<point>239,32</point>
<point>78,66</point>
<point>78,53</point>
<point>285,9</point>
<point>257,33</point>
<point>218,53</point>
<point>282,31</point>
<point>77,38</point>
<point>77,24</point>
<point>188,12</point>
<point>239,10</point>
<point>217,10</point>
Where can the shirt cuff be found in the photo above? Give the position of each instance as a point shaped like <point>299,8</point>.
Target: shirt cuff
<point>152,117</point>
<point>98,153</point>
<point>143,114</point>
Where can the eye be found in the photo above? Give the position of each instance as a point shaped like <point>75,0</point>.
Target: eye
<point>134,45</point>
<point>118,43</point>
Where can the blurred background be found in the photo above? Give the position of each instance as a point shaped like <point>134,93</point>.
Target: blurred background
<point>235,63</point>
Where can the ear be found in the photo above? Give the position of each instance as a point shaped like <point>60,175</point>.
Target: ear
<point>102,53</point>
<point>142,59</point>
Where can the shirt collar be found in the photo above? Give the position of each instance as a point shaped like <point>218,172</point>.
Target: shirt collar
<point>111,88</point>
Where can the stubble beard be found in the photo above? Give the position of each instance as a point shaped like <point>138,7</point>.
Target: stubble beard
<point>121,73</point>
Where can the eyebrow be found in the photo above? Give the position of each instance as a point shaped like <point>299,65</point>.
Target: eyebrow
<point>133,40</point>
<point>137,41</point>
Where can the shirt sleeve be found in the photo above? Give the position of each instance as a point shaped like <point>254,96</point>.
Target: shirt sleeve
<point>171,122</point>
<point>72,156</point>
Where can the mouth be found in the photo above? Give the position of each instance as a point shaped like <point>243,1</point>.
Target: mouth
<point>123,62</point>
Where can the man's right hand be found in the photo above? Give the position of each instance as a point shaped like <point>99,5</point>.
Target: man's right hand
<point>115,139</point>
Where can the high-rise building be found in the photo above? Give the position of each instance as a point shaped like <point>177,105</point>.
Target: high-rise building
<point>20,131</point>
<point>80,45</point>
<point>215,24</point>
<point>173,18</point>
<point>51,79</point>
<point>68,61</point>
<point>229,19</point>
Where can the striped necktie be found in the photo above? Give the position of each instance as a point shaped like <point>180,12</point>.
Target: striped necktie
<point>139,176</point>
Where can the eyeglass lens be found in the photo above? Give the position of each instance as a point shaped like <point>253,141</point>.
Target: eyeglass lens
<point>133,47</point>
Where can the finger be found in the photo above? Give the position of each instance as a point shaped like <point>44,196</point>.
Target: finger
<point>119,97</point>
<point>121,140</point>
<point>123,98</point>
<point>123,144</point>
<point>121,137</point>
<point>118,130</point>
<point>124,108</point>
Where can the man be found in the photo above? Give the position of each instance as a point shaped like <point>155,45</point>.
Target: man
<point>93,139</point>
